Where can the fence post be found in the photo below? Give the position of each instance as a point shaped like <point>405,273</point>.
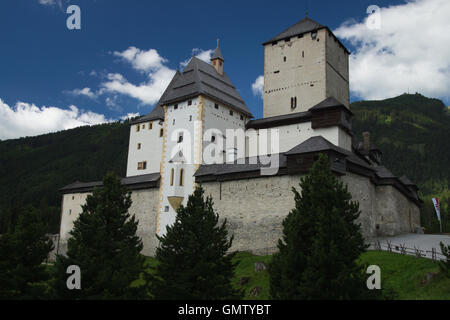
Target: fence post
<point>389,245</point>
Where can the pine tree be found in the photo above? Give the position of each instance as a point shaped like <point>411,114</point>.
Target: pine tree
<point>321,242</point>
<point>23,250</point>
<point>192,258</point>
<point>104,245</point>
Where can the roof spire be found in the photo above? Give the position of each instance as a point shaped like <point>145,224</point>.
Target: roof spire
<point>217,59</point>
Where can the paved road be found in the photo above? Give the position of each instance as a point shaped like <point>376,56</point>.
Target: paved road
<point>423,242</point>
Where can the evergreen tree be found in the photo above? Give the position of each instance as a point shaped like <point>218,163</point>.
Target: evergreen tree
<point>104,245</point>
<point>22,253</point>
<point>321,242</point>
<point>192,259</point>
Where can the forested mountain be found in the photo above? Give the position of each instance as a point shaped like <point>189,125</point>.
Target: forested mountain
<point>32,169</point>
<point>412,131</point>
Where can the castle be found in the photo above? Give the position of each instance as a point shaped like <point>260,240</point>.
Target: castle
<point>201,132</point>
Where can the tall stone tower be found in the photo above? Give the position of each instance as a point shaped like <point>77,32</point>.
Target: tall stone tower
<point>303,66</point>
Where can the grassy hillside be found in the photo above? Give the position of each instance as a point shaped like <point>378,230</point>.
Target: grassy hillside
<point>401,274</point>
<point>412,131</point>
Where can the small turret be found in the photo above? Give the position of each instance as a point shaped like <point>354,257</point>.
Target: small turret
<point>217,59</point>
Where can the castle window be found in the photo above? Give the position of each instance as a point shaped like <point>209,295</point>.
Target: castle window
<point>278,71</point>
<point>190,118</point>
<point>150,126</point>
<point>173,122</point>
<point>284,59</point>
<point>216,106</point>
<point>287,39</point>
<point>213,138</point>
<point>242,117</point>
<point>190,103</point>
<point>180,138</point>
<point>175,106</point>
<point>142,165</point>
<point>143,126</point>
<point>181,177</point>
<point>161,132</point>
<point>303,54</point>
<point>138,128</point>
<point>139,146</point>
<point>314,35</point>
<point>172,173</point>
<point>231,112</point>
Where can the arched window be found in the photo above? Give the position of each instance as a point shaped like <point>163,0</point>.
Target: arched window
<point>181,177</point>
<point>172,173</point>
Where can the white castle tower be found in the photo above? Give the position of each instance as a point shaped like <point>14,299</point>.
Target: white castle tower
<point>171,139</point>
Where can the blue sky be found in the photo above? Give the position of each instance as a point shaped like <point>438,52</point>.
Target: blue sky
<point>45,65</point>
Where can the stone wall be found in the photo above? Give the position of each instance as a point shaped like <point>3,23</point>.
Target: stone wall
<point>255,209</point>
<point>144,206</point>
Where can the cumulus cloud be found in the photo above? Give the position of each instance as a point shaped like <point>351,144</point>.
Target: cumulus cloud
<point>149,62</point>
<point>29,120</point>
<point>129,116</point>
<point>409,52</point>
<point>204,55</point>
<point>50,2</point>
<point>83,92</point>
<point>258,86</point>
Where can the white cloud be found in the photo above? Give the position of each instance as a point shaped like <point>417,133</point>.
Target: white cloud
<point>409,52</point>
<point>83,92</point>
<point>204,55</point>
<point>141,60</point>
<point>258,86</point>
<point>129,116</point>
<point>50,2</point>
<point>29,120</point>
<point>149,62</point>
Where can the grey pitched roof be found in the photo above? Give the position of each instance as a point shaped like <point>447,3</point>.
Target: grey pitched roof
<point>217,54</point>
<point>383,172</point>
<point>146,179</point>
<point>315,144</point>
<point>284,119</point>
<point>301,27</point>
<point>406,181</point>
<point>158,111</point>
<point>200,77</point>
<point>304,26</point>
<point>328,103</point>
<point>243,165</point>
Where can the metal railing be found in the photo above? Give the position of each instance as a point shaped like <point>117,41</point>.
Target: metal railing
<point>389,246</point>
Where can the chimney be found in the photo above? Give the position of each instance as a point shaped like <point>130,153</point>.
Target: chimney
<point>366,141</point>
